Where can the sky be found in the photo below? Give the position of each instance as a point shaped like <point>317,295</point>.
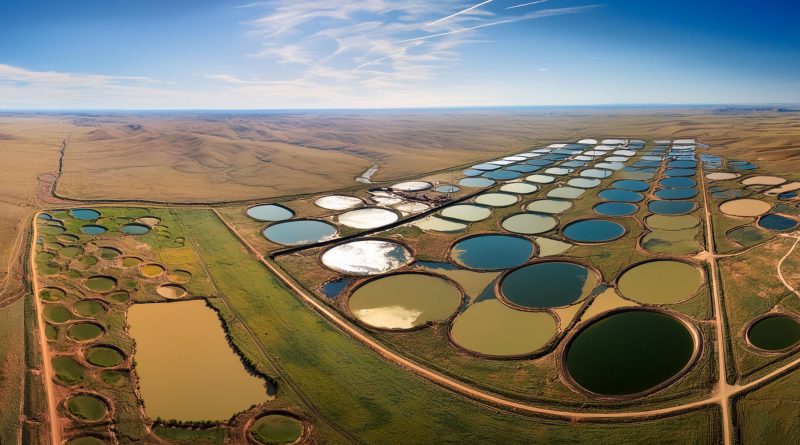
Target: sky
<point>309,54</point>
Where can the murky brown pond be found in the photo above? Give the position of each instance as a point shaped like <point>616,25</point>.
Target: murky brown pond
<point>745,207</point>
<point>186,369</point>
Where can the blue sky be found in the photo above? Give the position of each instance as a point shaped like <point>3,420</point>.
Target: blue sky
<point>151,54</point>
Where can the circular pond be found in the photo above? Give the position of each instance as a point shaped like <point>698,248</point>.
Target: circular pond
<point>84,331</point>
<point>85,214</point>
<point>774,333</point>
<point>86,440</point>
<point>466,212</point>
<point>89,308</point>
<point>269,212</point>
<point>492,252</point>
<point>529,223</point>
<point>616,208</point>
<point>493,329</point>
<point>745,207</point>
<point>660,282</point>
<point>366,257</point>
<point>593,231</point>
<point>93,229</point>
<point>276,429</point>
<point>86,407</point>
<point>629,352</point>
<point>447,188</point>
<point>677,182</point>
<point>135,229</point>
<point>671,207</point>
<point>101,283</point>
<point>672,222</point>
<point>404,301</point>
<point>566,193</point>
<point>496,199</point>
<point>476,182</point>
<point>598,173</point>
<point>502,175</point>
<point>763,180</point>
<point>104,356</point>
<point>631,185</point>
<point>618,195</point>
<point>721,176</point>
<point>412,186</point>
<point>294,233</point>
<point>777,223</point>
<point>677,193</point>
<point>548,285</point>
<point>52,294</point>
<point>339,202</point>
<point>551,206</point>
<point>584,183</point>
<point>171,291</point>
<point>540,179</point>
<point>368,218</point>
<point>519,188</point>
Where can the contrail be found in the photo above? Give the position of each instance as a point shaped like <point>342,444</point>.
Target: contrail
<point>530,16</point>
<point>460,12</point>
<point>526,4</point>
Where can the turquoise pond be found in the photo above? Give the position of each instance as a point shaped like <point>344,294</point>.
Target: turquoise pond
<point>630,185</point>
<point>85,214</point>
<point>671,207</point>
<point>676,193</point>
<point>269,212</point>
<point>135,229</point>
<point>621,195</point>
<point>93,229</point>
<point>616,208</point>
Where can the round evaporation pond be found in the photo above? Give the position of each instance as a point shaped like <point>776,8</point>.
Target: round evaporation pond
<point>135,229</point>
<point>447,188</point>
<point>502,175</point>
<point>523,168</point>
<point>593,231</point>
<point>679,172</point>
<point>366,257</point>
<point>672,222</point>
<point>540,179</point>
<point>584,183</point>
<point>101,283</point>
<point>104,356</point>
<point>631,185</point>
<point>276,429</point>
<point>671,207</point>
<point>466,212</point>
<point>368,218</point>
<point>92,229</point>
<point>476,182</point>
<point>404,301</point>
<point>745,207</point>
<point>677,182</point>
<point>89,308</point>
<point>529,223</point>
<point>660,282</point>
<point>496,199</point>
<point>86,440</point>
<point>87,407</point>
<point>472,172</point>
<point>629,352</point>
<point>548,285</point>
<point>520,188</point>
<point>85,214</point>
<point>774,333</point>
<point>616,208</point>
<point>269,212</point>
<point>84,331</point>
<point>777,223</point>
<point>682,164</point>
<point>552,206</point>
<point>294,233</point>
<point>621,195</point>
<point>486,167</point>
<point>676,193</point>
<point>492,252</point>
<point>412,186</point>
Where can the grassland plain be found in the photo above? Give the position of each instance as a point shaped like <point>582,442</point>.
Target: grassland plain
<point>372,400</point>
<point>12,368</point>
<point>769,414</point>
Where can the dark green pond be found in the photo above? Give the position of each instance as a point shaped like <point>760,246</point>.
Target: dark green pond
<point>293,233</point>
<point>621,195</point>
<point>593,231</point>
<point>777,223</point>
<point>774,333</point>
<point>492,252</point>
<point>616,208</point>
<point>547,285</point>
<point>671,207</point>
<point>631,185</point>
<point>629,352</point>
